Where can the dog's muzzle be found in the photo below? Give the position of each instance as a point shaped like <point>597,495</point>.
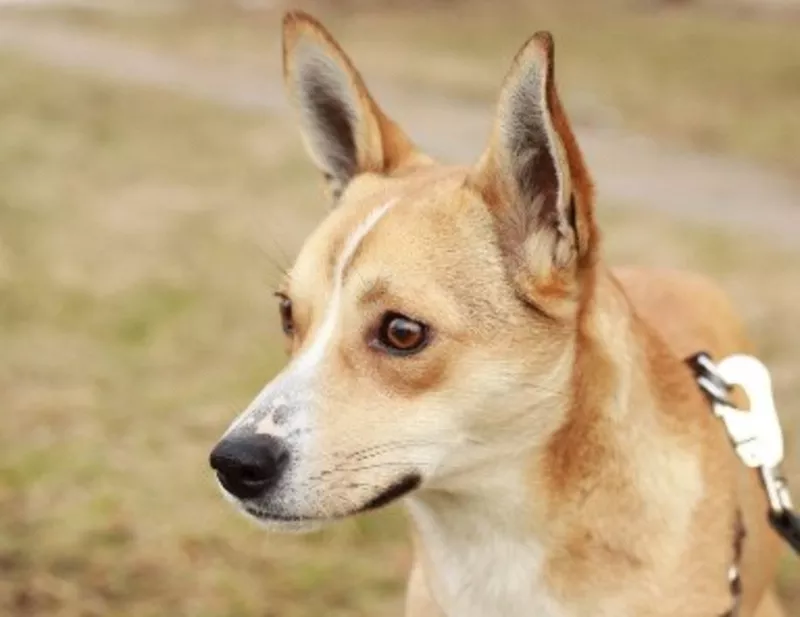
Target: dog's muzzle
<point>248,466</point>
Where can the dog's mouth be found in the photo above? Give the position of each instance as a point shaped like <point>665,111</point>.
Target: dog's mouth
<point>392,493</point>
<point>395,491</point>
<point>282,523</point>
<point>273,517</point>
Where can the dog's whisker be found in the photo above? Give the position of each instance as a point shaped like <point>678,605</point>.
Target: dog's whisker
<point>389,446</point>
<point>408,464</point>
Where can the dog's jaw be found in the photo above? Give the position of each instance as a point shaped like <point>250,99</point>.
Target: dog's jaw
<point>284,525</point>
<point>273,522</point>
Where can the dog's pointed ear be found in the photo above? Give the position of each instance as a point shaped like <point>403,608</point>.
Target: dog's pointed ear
<point>343,129</point>
<point>532,175</point>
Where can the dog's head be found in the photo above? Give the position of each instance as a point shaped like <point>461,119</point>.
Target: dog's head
<point>431,318</point>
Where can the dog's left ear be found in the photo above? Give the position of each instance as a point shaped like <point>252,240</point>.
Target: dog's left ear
<point>533,178</point>
<point>343,129</point>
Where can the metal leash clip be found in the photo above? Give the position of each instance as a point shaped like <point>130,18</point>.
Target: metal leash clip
<point>756,434</point>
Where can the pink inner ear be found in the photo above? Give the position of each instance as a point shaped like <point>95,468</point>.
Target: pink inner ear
<point>329,115</point>
<point>532,175</point>
<point>524,144</point>
<point>344,130</point>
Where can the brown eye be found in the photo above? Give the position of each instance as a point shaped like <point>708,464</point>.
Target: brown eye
<point>285,308</point>
<point>401,336</point>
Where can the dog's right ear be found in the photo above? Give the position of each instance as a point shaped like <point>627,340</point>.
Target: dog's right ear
<point>533,179</point>
<point>343,129</point>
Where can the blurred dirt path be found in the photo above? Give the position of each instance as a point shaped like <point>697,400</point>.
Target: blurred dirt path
<point>629,169</point>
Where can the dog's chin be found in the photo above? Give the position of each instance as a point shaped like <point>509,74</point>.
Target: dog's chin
<point>273,521</point>
<point>281,524</point>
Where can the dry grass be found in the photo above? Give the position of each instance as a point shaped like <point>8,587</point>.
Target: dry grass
<point>718,81</point>
<point>138,247</point>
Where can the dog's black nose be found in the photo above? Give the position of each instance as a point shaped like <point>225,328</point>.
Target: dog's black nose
<point>247,466</point>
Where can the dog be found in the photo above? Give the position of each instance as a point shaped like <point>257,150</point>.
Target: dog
<point>458,343</point>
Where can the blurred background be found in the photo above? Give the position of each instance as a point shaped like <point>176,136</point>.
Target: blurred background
<point>152,187</point>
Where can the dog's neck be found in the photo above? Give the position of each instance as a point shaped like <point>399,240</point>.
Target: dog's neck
<point>611,487</point>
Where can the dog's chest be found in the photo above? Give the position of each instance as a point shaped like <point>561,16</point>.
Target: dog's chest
<point>484,574</point>
<point>472,589</point>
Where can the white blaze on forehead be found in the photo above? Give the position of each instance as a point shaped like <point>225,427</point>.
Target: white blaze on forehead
<point>293,385</point>
<point>316,350</point>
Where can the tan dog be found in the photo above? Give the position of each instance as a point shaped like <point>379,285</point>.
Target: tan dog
<point>457,340</point>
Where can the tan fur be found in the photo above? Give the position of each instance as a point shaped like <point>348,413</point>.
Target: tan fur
<point>570,465</point>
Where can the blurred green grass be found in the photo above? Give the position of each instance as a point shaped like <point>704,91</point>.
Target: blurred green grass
<point>141,234</point>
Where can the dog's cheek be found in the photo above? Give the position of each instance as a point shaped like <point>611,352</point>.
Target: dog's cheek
<point>411,378</point>
<point>408,377</point>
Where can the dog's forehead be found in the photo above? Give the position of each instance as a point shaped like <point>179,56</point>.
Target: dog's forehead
<point>316,264</point>
<point>432,221</point>
<point>428,236</point>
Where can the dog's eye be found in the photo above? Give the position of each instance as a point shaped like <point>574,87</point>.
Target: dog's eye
<point>400,335</point>
<point>285,308</point>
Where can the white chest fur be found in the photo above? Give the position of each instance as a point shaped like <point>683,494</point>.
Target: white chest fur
<point>476,570</point>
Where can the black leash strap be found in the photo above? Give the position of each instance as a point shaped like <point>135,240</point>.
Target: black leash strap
<point>787,524</point>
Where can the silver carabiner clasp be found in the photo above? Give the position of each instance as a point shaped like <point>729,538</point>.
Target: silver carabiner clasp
<point>777,490</point>
<point>756,433</point>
